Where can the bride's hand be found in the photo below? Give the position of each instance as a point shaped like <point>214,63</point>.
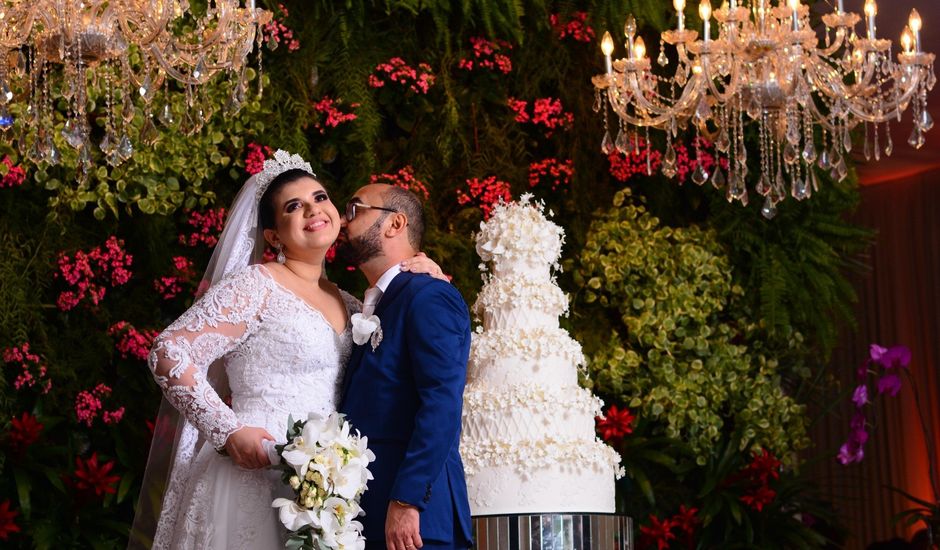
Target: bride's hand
<point>420,263</point>
<point>245,448</point>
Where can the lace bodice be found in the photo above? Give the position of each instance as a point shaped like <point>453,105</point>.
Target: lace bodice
<point>280,355</point>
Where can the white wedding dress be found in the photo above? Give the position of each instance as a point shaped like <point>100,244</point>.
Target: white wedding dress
<point>281,358</point>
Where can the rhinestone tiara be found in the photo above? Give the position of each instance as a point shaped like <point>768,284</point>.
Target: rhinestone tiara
<point>282,162</point>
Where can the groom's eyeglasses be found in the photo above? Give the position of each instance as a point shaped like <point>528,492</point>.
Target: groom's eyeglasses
<point>352,208</point>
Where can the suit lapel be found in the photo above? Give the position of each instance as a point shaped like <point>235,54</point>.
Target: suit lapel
<point>355,360</point>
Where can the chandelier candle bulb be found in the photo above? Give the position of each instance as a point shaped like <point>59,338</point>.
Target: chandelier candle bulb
<point>871,10</point>
<point>914,23</point>
<point>907,40</point>
<point>680,12</point>
<point>639,48</point>
<point>795,13</point>
<point>607,47</point>
<point>629,30</point>
<point>705,12</point>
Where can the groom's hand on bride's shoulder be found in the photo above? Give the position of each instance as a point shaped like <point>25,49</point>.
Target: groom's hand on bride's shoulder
<point>245,448</point>
<point>402,527</point>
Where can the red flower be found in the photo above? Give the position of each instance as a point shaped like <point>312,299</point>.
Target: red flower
<point>658,532</point>
<point>686,519</point>
<point>759,497</point>
<point>615,424</point>
<point>24,431</point>
<point>763,467</point>
<point>7,525</point>
<point>89,477</point>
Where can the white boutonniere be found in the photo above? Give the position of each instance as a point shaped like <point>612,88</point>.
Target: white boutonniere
<point>366,329</point>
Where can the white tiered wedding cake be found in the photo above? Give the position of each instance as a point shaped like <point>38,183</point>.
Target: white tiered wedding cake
<point>528,441</point>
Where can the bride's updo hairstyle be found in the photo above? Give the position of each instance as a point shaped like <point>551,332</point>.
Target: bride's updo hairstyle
<point>266,206</point>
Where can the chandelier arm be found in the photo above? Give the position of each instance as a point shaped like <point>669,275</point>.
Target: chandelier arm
<point>835,46</point>
<point>22,30</point>
<point>730,89</point>
<point>151,32</point>
<point>179,76</point>
<point>663,114</point>
<point>839,89</point>
<point>682,104</point>
<point>890,109</point>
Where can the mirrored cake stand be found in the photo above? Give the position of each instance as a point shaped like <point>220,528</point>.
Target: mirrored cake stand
<point>568,531</point>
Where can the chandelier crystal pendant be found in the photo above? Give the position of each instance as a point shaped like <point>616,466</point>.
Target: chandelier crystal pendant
<point>768,68</point>
<point>107,53</point>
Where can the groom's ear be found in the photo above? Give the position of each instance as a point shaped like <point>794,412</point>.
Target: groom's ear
<point>398,225</point>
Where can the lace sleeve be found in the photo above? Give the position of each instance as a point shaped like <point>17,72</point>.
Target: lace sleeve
<point>181,355</point>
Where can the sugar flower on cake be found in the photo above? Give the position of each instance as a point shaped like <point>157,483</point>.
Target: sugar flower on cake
<point>520,230</point>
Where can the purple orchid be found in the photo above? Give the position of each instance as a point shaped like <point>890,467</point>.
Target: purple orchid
<point>890,384</point>
<point>850,452</point>
<point>889,358</point>
<point>860,396</point>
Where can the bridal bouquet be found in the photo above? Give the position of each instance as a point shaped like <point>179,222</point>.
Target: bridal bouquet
<point>327,468</point>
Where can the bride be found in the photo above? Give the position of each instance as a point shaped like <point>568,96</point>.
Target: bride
<point>277,336</point>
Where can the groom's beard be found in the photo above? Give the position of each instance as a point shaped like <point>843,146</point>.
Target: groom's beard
<point>361,249</point>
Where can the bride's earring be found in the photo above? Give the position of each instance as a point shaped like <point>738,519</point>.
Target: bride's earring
<point>281,258</point>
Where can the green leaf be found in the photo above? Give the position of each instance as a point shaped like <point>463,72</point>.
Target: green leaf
<point>125,486</point>
<point>24,486</point>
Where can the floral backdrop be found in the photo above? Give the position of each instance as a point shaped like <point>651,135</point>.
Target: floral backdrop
<point>707,327</point>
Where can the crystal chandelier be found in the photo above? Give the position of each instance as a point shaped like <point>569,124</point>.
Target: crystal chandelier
<point>88,57</point>
<point>767,68</point>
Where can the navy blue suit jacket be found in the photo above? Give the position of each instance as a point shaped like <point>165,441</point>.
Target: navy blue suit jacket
<point>407,397</point>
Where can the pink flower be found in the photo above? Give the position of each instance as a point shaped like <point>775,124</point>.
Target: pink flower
<point>332,116</point>
<point>396,70</point>
<point>15,175</point>
<point>404,178</point>
<point>89,274</point>
<point>552,172</point>
<point>113,417</point>
<point>254,159</point>
<point>277,32</point>
<point>487,55</point>
<point>207,226</point>
<point>31,372</point>
<point>546,112</point>
<point>170,286</point>
<point>576,28</point>
<point>485,194</point>
<point>132,343</point>
<point>88,405</point>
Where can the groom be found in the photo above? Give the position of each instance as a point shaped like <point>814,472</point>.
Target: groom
<point>404,381</point>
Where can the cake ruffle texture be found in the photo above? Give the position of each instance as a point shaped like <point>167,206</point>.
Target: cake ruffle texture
<point>525,412</point>
<point>547,355</point>
<point>502,295</point>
